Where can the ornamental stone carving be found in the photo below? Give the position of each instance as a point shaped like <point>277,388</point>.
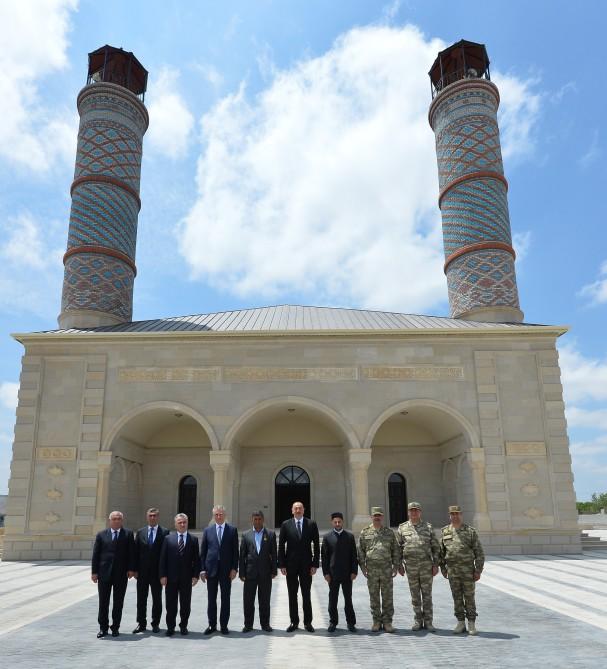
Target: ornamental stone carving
<point>528,467</point>
<point>52,517</point>
<point>530,490</point>
<point>533,512</point>
<point>54,494</point>
<point>55,470</point>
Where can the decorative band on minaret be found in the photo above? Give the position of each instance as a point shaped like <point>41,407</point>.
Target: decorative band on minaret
<point>100,258</point>
<point>479,258</point>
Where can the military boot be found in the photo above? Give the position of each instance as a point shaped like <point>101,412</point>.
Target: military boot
<point>416,626</point>
<point>472,631</point>
<point>460,627</point>
<point>429,626</point>
<point>388,628</point>
<point>376,626</point>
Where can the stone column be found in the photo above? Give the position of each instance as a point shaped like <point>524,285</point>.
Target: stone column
<point>104,466</point>
<point>481,520</point>
<point>220,463</point>
<point>359,460</point>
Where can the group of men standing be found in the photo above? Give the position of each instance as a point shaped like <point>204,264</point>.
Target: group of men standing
<point>176,562</point>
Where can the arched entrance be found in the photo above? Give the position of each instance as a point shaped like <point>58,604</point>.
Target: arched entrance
<point>283,432</point>
<point>413,446</point>
<point>292,484</point>
<point>160,458</point>
<point>397,499</point>
<point>188,494</point>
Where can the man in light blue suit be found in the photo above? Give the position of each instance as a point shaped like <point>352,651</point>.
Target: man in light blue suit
<point>218,567</point>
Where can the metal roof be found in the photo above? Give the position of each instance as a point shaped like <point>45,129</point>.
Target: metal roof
<point>291,318</point>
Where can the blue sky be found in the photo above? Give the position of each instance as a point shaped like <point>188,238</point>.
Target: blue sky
<point>289,160</point>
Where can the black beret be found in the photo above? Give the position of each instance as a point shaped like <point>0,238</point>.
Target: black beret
<point>337,514</point>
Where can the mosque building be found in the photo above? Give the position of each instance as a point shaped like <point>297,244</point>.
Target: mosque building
<point>339,408</point>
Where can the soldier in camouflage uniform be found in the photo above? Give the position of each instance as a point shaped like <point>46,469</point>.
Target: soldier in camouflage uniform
<point>379,559</point>
<point>419,559</point>
<point>461,561</point>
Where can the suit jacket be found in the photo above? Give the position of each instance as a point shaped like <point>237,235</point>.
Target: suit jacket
<point>215,559</point>
<point>113,559</point>
<point>295,552</point>
<point>175,567</point>
<point>339,556</point>
<point>147,557</point>
<point>253,565</point>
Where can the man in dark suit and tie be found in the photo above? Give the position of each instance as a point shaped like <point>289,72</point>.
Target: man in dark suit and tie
<point>340,568</point>
<point>148,544</point>
<point>178,569</point>
<point>113,563</point>
<point>218,567</point>
<point>257,567</point>
<point>298,562</point>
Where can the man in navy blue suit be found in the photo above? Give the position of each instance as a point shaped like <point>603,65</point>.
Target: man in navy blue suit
<point>178,571</point>
<point>218,567</point>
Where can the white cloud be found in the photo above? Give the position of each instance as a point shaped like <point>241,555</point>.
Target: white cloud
<point>325,183</point>
<point>8,394</point>
<point>518,114</point>
<point>521,242</point>
<point>595,419</point>
<point>597,291</point>
<point>592,153</point>
<point>30,265</point>
<point>171,121</point>
<point>34,44</point>
<point>209,73</point>
<point>583,378</point>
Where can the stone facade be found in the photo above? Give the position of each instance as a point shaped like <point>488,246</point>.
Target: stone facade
<point>117,421</point>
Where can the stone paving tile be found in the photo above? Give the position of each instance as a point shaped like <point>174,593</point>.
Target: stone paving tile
<point>515,632</point>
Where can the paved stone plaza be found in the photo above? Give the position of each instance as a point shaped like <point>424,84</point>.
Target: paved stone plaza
<point>534,611</point>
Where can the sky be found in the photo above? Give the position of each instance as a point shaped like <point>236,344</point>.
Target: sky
<point>289,160</point>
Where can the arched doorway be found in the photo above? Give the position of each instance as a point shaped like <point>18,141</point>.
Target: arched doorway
<point>397,499</point>
<point>292,484</point>
<point>188,490</point>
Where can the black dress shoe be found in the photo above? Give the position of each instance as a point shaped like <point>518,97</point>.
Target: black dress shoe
<point>155,629</point>
<point>352,628</point>
<point>139,629</point>
<point>246,629</point>
<point>309,628</point>
<point>183,631</point>
<point>225,630</point>
<point>292,627</point>
<point>210,629</point>
<point>267,628</point>
<point>115,633</point>
<point>101,634</point>
<point>169,633</point>
<point>331,628</point>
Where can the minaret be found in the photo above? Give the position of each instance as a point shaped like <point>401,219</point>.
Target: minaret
<point>479,258</point>
<point>100,258</point>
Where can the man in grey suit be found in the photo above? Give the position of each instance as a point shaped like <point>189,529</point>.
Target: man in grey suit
<point>257,568</point>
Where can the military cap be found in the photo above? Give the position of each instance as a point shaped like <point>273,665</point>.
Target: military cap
<point>337,514</point>
<point>455,509</point>
<point>377,510</point>
<point>414,505</point>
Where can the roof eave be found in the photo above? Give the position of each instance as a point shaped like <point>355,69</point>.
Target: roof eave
<point>542,330</point>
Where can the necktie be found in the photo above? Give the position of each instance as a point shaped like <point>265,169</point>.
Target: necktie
<point>299,527</point>
<point>151,536</point>
<point>180,546</point>
<point>115,535</point>
<point>220,533</point>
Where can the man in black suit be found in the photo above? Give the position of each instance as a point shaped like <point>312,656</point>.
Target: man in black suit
<point>178,569</point>
<point>340,568</point>
<point>218,567</point>
<point>257,568</point>
<point>148,544</point>
<point>298,563</point>
<point>112,565</point>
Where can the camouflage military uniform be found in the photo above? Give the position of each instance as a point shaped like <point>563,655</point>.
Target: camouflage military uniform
<point>419,553</point>
<point>379,556</point>
<point>461,554</point>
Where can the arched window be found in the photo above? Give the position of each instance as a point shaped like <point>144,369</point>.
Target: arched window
<point>397,499</point>
<point>292,484</point>
<point>188,489</point>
